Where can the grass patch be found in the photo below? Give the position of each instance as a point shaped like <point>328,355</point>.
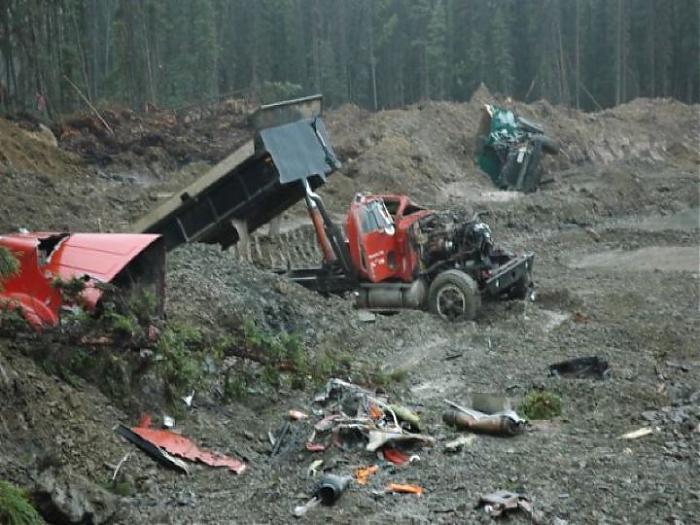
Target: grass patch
<point>541,404</point>
<point>15,507</point>
<point>121,488</point>
<point>9,265</point>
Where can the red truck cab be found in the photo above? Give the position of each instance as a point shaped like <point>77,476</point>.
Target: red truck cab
<point>379,230</point>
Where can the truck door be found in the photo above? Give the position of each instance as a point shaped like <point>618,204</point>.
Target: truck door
<point>377,241</point>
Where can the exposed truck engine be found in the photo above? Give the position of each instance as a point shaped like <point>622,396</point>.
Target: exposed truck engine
<point>395,254</point>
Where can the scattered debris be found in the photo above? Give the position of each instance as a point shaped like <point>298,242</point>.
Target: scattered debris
<point>331,487</point>
<point>314,447</point>
<point>400,488</point>
<point>119,465</point>
<point>160,444</point>
<point>301,510</point>
<point>297,415</point>
<point>188,399</point>
<point>458,444</point>
<point>395,456</point>
<point>277,442</point>
<point>581,367</point>
<point>635,434</point>
<point>362,474</point>
<point>157,453</point>
<point>353,411</point>
<point>378,439</point>
<point>503,501</point>
<point>406,415</point>
<point>313,468</point>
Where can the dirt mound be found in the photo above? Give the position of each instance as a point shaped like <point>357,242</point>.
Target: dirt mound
<point>417,150</point>
<point>427,150</point>
<point>160,140</point>
<point>651,130</point>
<point>33,150</point>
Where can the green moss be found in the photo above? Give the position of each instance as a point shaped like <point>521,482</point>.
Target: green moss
<point>541,404</point>
<point>9,265</point>
<point>120,488</point>
<point>15,507</point>
<point>178,359</point>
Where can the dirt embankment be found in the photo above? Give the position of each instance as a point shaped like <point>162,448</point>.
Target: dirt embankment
<point>427,150</point>
<point>93,178</point>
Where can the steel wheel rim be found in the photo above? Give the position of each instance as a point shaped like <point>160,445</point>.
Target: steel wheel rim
<point>451,302</point>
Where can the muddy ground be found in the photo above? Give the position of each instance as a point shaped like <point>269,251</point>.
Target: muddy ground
<point>616,237</point>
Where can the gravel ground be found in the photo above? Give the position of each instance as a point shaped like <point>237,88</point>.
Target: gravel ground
<point>616,277</point>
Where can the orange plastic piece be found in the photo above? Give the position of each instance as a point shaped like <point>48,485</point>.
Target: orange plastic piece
<point>404,489</point>
<point>362,474</point>
<point>375,412</point>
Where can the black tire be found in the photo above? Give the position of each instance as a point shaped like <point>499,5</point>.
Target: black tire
<point>549,145</point>
<point>508,177</point>
<point>454,296</point>
<point>521,288</point>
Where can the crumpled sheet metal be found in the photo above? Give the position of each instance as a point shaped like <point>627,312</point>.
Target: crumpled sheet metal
<point>182,447</point>
<point>378,439</point>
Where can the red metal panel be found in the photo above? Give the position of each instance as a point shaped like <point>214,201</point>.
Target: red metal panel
<point>182,447</point>
<point>100,256</point>
<point>30,290</point>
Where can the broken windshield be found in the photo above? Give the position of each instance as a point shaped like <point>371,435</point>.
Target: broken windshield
<point>375,217</point>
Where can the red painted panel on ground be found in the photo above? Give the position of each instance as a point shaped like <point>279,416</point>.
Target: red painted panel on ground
<point>182,447</point>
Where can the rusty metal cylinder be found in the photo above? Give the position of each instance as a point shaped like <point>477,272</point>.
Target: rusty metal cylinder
<point>491,424</point>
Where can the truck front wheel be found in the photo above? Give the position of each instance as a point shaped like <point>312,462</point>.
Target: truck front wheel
<point>454,296</point>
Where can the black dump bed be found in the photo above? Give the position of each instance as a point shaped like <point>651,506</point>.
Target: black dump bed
<point>255,184</point>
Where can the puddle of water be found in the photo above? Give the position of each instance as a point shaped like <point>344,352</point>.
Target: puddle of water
<point>662,258</point>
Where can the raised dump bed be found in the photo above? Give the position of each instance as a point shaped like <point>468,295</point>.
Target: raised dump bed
<point>253,185</point>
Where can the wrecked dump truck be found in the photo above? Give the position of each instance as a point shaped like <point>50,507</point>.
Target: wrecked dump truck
<point>393,254</point>
<point>46,260</point>
<point>390,252</point>
<point>509,149</point>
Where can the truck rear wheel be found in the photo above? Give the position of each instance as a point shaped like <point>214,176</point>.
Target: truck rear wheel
<point>454,296</point>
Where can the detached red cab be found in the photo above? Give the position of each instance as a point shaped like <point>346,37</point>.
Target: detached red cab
<point>121,259</point>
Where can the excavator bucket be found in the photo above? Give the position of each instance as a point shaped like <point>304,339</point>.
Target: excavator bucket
<point>254,184</point>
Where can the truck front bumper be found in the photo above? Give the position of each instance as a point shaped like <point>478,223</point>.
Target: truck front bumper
<point>516,270</point>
